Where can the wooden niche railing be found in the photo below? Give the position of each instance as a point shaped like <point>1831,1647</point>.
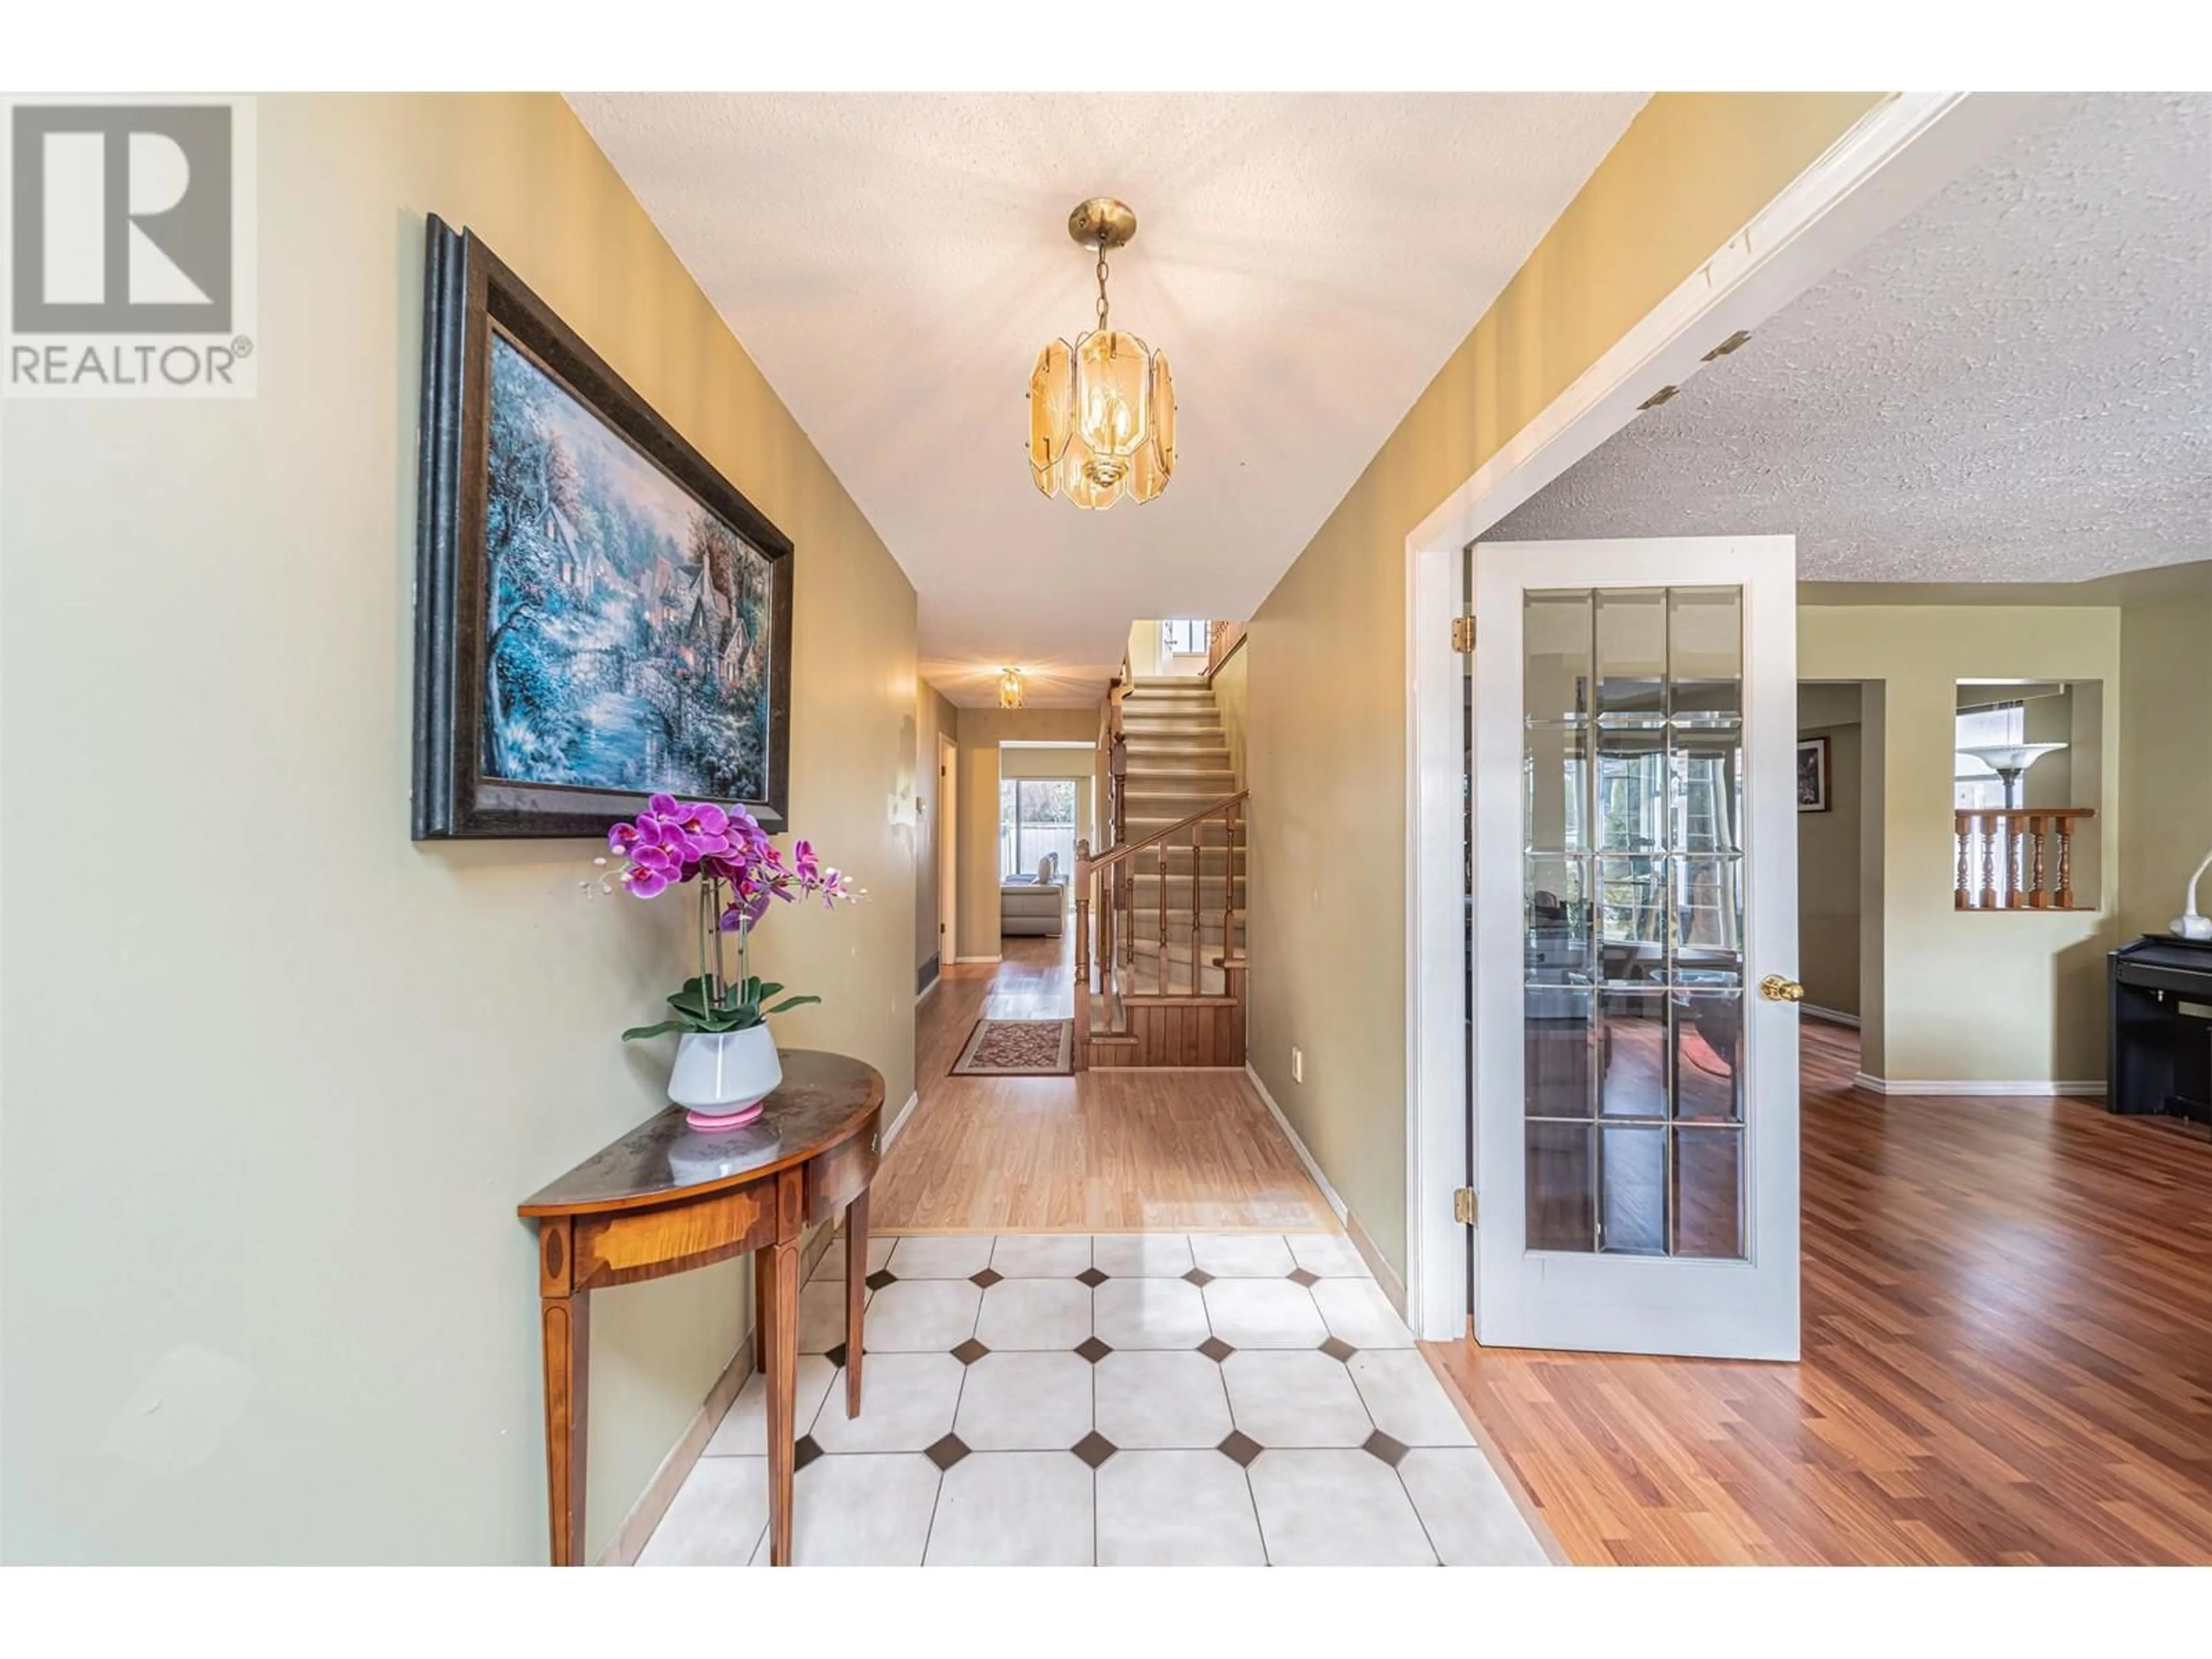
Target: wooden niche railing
<point>2016,858</point>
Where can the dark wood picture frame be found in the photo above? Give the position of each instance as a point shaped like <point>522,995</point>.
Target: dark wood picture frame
<point>1813,789</point>
<point>467,291</point>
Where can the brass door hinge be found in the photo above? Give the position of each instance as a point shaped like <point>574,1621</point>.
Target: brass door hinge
<point>1462,633</point>
<point>1464,1206</point>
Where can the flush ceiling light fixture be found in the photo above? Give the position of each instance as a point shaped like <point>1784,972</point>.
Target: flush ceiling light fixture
<point>1101,412</point>
<point>1010,688</point>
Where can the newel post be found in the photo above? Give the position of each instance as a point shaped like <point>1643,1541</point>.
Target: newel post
<point>1083,879</point>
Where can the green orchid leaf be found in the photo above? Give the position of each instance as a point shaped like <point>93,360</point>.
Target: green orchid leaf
<point>792,1002</point>
<point>661,1029</point>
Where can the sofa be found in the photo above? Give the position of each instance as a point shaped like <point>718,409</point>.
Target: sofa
<point>1036,905</point>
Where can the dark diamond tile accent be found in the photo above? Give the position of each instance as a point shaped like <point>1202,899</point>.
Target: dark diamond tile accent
<point>1240,1448</point>
<point>1381,1445</point>
<point>1300,1276</point>
<point>1215,1349</point>
<point>836,1355</point>
<point>804,1452</point>
<point>970,1352</point>
<point>1199,1276</point>
<point>1094,1449</point>
<point>1336,1348</point>
<point>988,1278</point>
<point>947,1452</point>
<point>881,1277</point>
<point>1091,1277</point>
<point>1092,1349</point>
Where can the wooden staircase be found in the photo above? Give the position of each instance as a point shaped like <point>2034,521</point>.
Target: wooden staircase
<point>1159,915</point>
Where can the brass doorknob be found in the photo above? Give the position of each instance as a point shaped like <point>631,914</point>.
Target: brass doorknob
<point>1775,988</point>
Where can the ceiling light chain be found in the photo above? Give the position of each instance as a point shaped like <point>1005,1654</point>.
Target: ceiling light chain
<point>1102,411</point>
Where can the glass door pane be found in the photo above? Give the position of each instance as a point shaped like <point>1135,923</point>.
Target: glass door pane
<point>1633,823</point>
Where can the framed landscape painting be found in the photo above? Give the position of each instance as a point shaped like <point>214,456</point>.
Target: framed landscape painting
<point>599,614</point>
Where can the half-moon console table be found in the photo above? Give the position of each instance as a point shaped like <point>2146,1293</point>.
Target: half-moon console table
<point>665,1199</point>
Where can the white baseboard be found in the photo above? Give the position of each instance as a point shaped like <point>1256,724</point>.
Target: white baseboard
<point>979,958</point>
<point>2042,1089</point>
<point>1298,1147</point>
<point>891,1129</point>
<point>1833,1015</point>
<point>1386,1276</point>
<point>922,995</point>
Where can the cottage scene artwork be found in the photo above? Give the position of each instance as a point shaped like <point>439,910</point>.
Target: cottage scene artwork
<point>627,627</point>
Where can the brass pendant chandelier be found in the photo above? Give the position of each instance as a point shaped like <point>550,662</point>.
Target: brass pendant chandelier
<point>1101,412</point>
<point>1010,688</point>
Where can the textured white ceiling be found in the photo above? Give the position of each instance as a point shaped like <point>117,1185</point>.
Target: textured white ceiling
<point>2013,385</point>
<point>894,263</point>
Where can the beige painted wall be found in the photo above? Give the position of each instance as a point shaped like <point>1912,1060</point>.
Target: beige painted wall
<point>1828,856</point>
<point>2166,758</point>
<point>1326,738</point>
<point>2016,996</point>
<point>981,732</point>
<point>274,1076</point>
<point>1145,658</point>
<point>1232,701</point>
<point>934,717</point>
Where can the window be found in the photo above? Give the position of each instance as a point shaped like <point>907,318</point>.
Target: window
<point>1036,815</point>
<point>1185,637</point>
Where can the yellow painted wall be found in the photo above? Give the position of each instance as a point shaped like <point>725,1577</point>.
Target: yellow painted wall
<point>1232,701</point>
<point>981,732</point>
<point>2166,758</point>
<point>934,717</point>
<point>1326,738</point>
<point>2013,996</point>
<point>275,1077</point>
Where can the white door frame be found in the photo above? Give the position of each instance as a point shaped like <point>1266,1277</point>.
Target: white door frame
<point>1897,155</point>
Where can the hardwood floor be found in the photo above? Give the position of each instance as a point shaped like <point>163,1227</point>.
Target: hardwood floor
<point>2008,1359</point>
<point>1102,1151</point>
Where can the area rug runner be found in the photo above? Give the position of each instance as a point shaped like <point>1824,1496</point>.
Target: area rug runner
<point>1018,1047</point>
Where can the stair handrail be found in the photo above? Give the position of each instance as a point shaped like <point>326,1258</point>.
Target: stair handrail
<point>1122,850</point>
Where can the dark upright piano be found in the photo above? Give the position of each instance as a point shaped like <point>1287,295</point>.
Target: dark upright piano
<point>2160,1054</point>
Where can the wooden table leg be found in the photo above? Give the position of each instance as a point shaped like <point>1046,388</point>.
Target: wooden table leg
<point>779,1302</point>
<point>565,1322</point>
<point>856,1295</point>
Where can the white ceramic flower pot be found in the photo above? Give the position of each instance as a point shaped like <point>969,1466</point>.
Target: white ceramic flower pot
<point>722,1077</point>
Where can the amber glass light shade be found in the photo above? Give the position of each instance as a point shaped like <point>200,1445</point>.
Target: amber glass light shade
<point>1052,410</point>
<point>1010,688</point>
<point>1102,420</point>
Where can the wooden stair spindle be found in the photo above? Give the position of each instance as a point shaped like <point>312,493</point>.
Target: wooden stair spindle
<point>2037,859</point>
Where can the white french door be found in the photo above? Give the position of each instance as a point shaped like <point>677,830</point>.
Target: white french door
<point>1633,874</point>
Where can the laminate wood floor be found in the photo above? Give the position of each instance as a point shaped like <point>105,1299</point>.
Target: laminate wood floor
<point>1102,1151</point>
<point>2008,1359</point>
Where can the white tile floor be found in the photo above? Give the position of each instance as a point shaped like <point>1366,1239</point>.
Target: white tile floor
<point>1125,1399</point>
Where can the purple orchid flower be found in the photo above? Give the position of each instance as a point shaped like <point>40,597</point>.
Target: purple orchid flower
<point>649,873</point>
